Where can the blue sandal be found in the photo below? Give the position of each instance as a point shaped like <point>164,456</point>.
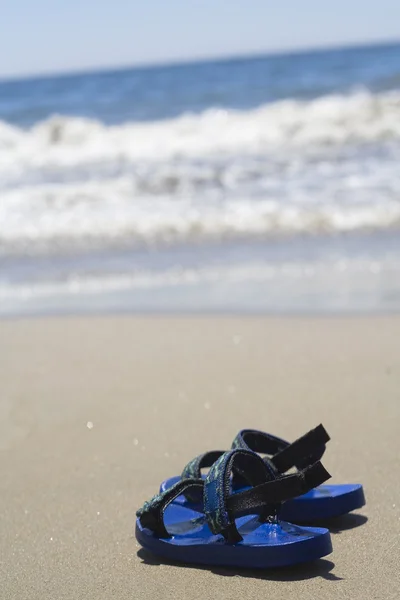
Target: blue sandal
<point>234,529</point>
<point>324,502</point>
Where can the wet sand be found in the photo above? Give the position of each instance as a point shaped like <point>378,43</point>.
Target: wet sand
<point>94,412</point>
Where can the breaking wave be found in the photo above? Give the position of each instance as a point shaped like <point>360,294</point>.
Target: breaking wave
<point>329,164</point>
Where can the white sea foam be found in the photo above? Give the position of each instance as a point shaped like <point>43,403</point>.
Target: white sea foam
<point>330,164</point>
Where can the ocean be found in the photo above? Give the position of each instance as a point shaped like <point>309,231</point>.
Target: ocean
<point>263,184</point>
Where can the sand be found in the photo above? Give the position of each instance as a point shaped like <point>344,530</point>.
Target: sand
<point>94,412</point>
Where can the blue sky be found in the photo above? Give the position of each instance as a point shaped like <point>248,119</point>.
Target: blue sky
<point>57,35</point>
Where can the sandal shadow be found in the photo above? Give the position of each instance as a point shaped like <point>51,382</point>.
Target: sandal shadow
<point>318,568</point>
<point>343,523</point>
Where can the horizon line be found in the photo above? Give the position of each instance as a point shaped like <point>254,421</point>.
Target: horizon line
<point>196,60</point>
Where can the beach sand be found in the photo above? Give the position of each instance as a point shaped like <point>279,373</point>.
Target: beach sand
<point>94,412</point>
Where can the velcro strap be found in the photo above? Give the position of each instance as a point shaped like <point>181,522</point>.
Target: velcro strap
<point>277,491</point>
<point>303,452</point>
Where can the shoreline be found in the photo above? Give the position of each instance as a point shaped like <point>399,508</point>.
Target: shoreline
<point>326,275</point>
<point>200,314</point>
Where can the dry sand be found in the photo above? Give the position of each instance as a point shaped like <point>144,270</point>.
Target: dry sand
<point>95,412</point>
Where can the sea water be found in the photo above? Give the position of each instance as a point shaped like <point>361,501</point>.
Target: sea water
<point>263,184</point>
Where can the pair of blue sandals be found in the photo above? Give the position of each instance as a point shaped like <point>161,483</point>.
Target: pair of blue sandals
<point>241,513</point>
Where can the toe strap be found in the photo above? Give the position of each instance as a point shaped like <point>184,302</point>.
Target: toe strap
<point>193,471</point>
<point>151,515</point>
<point>218,488</point>
<point>193,468</point>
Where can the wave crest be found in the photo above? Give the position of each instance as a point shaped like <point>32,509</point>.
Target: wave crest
<point>333,119</point>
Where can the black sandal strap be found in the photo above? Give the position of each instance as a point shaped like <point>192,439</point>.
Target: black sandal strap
<point>218,488</point>
<point>193,471</point>
<point>303,452</point>
<point>206,460</point>
<point>259,441</point>
<point>277,491</point>
<point>193,468</point>
<point>151,515</point>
